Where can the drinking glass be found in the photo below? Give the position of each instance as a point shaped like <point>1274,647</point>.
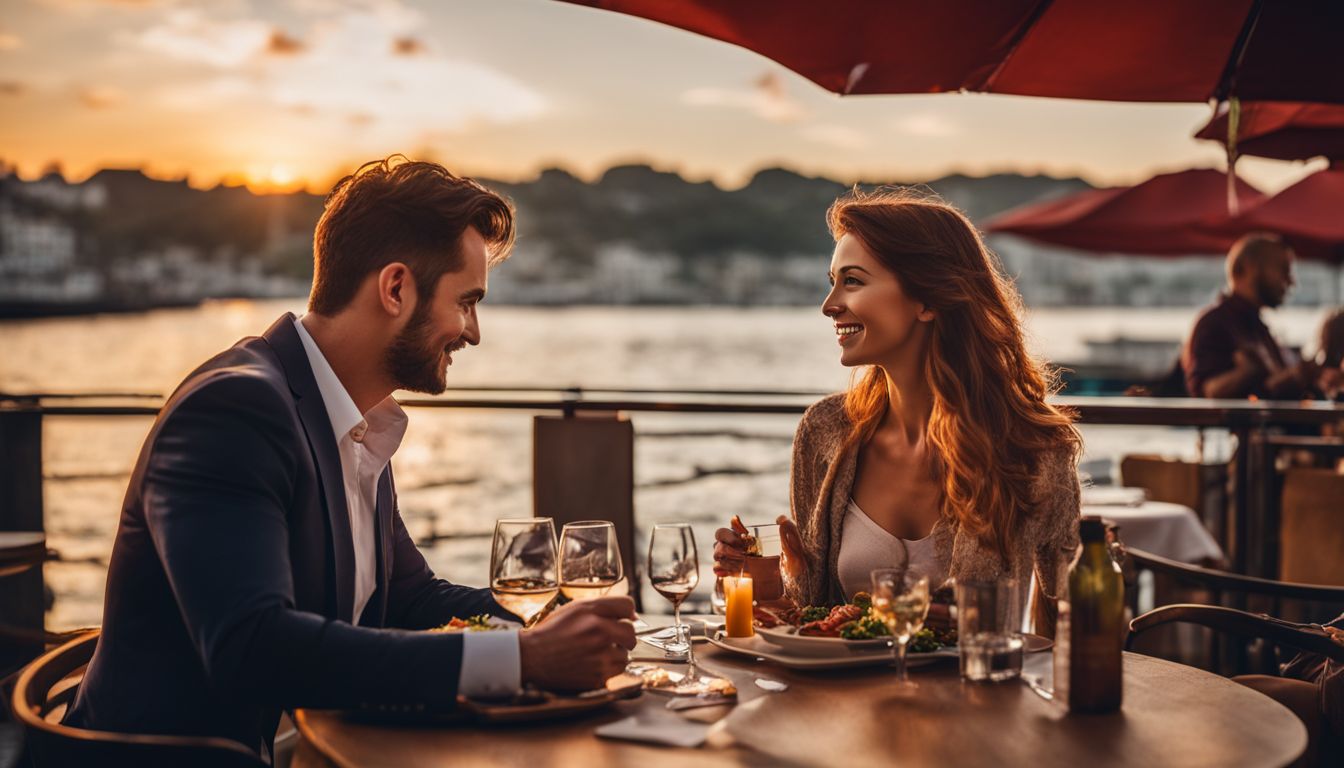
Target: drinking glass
<point>590,560</point>
<point>901,601</point>
<point>987,624</point>
<point>763,563</point>
<point>674,571</point>
<point>523,575</point>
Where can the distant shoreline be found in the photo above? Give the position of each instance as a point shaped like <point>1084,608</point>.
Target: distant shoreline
<point>16,310</point>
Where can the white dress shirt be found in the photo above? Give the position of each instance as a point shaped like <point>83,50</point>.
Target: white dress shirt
<point>490,660</point>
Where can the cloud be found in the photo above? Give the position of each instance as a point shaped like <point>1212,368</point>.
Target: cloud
<point>407,46</point>
<point>343,62</point>
<point>190,35</point>
<point>12,88</point>
<point>930,124</point>
<point>355,64</point>
<point>768,99</point>
<point>10,41</point>
<point>838,136</point>
<point>100,97</point>
<point>281,44</point>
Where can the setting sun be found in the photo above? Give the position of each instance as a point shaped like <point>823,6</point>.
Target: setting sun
<point>270,179</point>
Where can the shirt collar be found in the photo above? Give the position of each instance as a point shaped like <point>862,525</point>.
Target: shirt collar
<point>341,408</point>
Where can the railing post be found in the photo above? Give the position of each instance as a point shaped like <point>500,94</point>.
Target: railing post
<point>22,605</point>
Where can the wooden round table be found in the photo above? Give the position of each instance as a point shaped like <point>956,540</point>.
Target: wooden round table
<point>1173,715</point>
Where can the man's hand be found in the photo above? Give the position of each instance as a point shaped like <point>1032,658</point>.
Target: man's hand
<point>579,646</point>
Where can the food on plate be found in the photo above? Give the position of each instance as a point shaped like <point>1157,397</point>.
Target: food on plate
<point>929,640</point>
<point>479,623</point>
<point>657,677</point>
<point>830,626</point>
<point>777,615</point>
<point>855,621</point>
<point>721,687</point>
<point>814,613</point>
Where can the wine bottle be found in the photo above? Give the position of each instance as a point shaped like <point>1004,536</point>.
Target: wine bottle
<point>1095,614</point>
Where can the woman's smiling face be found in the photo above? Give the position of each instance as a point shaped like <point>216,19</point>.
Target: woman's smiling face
<point>874,318</point>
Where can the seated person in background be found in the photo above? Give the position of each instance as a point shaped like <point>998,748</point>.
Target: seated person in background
<point>261,562</point>
<point>1312,686</point>
<point>1230,352</point>
<point>1331,355</point>
<point>946,447</point>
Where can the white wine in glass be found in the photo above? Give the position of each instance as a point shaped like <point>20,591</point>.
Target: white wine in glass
<point>590,559</point>
<point>523,576</point>
<point>901,599</point>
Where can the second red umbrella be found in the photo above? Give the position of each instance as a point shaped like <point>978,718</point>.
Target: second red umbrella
<point>1170,214</point>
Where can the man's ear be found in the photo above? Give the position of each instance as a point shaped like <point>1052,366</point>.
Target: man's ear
<point>396,289</point>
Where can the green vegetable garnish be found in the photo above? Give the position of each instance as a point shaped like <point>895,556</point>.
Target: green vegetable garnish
<point>815,613</point>
<point>866,627</point>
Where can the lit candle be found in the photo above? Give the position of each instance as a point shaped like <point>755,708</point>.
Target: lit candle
<point>737,591</point>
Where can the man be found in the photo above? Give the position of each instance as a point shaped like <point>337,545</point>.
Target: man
<point>1230,352</point>
<point>261,562</point>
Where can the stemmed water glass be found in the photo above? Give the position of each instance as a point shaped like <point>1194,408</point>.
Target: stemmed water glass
<point>590,559</point>
<point>523,575</point>
<point>674,571</point>
<point>901,597</point>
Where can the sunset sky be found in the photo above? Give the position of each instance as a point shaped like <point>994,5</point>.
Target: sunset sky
<point>293,92</point>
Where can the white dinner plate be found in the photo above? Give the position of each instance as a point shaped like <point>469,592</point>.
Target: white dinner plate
<point>787,638</point>
<point>757,647</point>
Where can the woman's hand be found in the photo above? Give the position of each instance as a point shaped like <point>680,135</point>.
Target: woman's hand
<point>794,561</point>
<point>730,549</point>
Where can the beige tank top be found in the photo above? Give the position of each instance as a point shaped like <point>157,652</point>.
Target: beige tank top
<point>865,545</point>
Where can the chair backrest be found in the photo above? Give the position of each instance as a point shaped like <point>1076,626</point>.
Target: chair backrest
<point>1241,623</point>
<point>1318,602</point>
<point>1168,480</point>
<point>48,686</point>
<point>583,469</point>
<point>1311,532</point>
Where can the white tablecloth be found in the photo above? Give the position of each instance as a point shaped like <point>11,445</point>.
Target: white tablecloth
<point>1162,528</point>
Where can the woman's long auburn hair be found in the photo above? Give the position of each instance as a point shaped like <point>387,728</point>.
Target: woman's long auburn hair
<point>990,422</point>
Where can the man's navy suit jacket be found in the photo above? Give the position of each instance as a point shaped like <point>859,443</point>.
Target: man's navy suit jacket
<point>231,588</point>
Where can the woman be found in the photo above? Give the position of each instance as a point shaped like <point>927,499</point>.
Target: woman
<point>945,446</point>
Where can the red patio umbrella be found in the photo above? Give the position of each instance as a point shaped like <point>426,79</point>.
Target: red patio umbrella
<point>1309,214</point>
<point>1169,214</point>
<point>1282,130</point>
<point>1137,50</point>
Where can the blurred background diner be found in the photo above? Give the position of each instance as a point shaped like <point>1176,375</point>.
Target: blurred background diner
<point>162,165</point>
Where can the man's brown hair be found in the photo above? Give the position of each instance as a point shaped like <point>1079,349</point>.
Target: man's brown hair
<point>399,210</point>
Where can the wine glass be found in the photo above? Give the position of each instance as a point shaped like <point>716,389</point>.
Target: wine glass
<point>901,601</point>
<point>674,571</point>
<point>522,566</point>
<point>590,560</point>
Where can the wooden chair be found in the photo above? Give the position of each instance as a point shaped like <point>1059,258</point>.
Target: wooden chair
<point>1215,587</point>
<point>1201,487</point>
<point>1311,532</point>
<point>48,686</point>
<point>1168,480</point>
<point>1302,637</point>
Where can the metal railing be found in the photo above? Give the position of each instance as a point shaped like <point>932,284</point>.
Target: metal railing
<point>1254,423</point>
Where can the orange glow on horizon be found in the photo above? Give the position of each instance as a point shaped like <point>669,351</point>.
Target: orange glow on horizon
<point>273,179</point>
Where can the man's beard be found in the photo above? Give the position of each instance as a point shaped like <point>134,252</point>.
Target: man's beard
<point>1270,296</point>
<point>412,361</point>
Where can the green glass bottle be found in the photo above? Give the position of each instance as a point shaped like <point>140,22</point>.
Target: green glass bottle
<point>1095,632</point>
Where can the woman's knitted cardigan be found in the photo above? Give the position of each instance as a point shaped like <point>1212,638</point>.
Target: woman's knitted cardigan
<point>1047,540</point>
